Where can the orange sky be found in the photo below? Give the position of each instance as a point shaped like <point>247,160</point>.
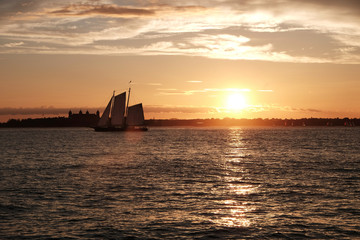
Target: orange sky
<point>287,59</point>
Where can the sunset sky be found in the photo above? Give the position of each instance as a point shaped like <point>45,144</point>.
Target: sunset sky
<point>186,59</point>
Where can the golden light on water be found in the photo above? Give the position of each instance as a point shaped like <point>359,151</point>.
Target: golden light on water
<point>233,214</point>
<point>241,189</point>
<point>235,211</point>
<point>235,221</point>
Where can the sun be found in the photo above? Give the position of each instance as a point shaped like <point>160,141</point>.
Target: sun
<point>236,102</point>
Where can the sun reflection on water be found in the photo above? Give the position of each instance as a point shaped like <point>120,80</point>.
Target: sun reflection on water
<point>235,211</point>
<point>233,214</point>
<point>241,189</point>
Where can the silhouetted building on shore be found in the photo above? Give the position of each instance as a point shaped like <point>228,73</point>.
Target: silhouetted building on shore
<point>73,120</point>
<point>85,118</point>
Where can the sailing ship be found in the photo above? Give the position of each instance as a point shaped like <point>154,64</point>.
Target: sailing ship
<point>117,117</point>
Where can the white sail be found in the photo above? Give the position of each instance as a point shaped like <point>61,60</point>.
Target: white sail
<point>103,122</point>
<point>118,110</point>
<point>135,115</point>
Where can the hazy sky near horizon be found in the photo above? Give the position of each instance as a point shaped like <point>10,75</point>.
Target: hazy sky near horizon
<point>297,58</point>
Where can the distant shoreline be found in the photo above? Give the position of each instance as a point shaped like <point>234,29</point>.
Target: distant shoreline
<point>91,121</point>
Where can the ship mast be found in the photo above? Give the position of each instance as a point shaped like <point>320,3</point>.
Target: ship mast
<point>111,107</point>
<point>127,105</point>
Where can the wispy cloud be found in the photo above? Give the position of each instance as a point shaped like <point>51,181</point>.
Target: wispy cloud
<point>179,109</point>
<point>13,44</point>
<point>154,84</point>
<point>173,91</point>
<point>113,10</point>
<point>273,108</point>
<point>43,110</point>
<point>222,110</point>
<point>166,89</point>
<point>205,90</point>
<point>169,93</point>
<point>268,90</point>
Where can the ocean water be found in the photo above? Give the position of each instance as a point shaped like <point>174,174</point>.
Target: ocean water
<point>180,183</point>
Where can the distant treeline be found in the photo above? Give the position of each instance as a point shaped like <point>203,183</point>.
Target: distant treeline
<point>90,120</point>
<point>256,122</point>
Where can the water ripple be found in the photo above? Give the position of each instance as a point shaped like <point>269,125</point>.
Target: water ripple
<point>190,183</point>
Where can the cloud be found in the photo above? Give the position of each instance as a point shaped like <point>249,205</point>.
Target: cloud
<point>265,90</point>
<point>11,8</point>
<point>350,6</point>
<point>154,84</point>
<point>277,108</point>
<point>219,110</point>
<point>236,48</point>
<point>104,10</point>
<point>42,110</point>
<point>13,44</point>
<point>113,10</point>
<point>166,89</point>
<point>278,30</point>
<point>219,90</point>
<point>167,93</point>
<point>308,110</point>
<point>215,47</point>
<point>179,109</point>
<point>205,90</point>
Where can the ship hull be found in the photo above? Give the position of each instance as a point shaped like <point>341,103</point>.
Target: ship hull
<point>119,129</point>
<point>108,129</point>
<point>137,128</point>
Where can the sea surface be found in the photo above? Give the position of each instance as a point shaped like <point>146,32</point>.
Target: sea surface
<point>180,183</point>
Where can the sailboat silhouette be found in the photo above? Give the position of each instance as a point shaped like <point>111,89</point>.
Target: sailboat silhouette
<point>118,117</point>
